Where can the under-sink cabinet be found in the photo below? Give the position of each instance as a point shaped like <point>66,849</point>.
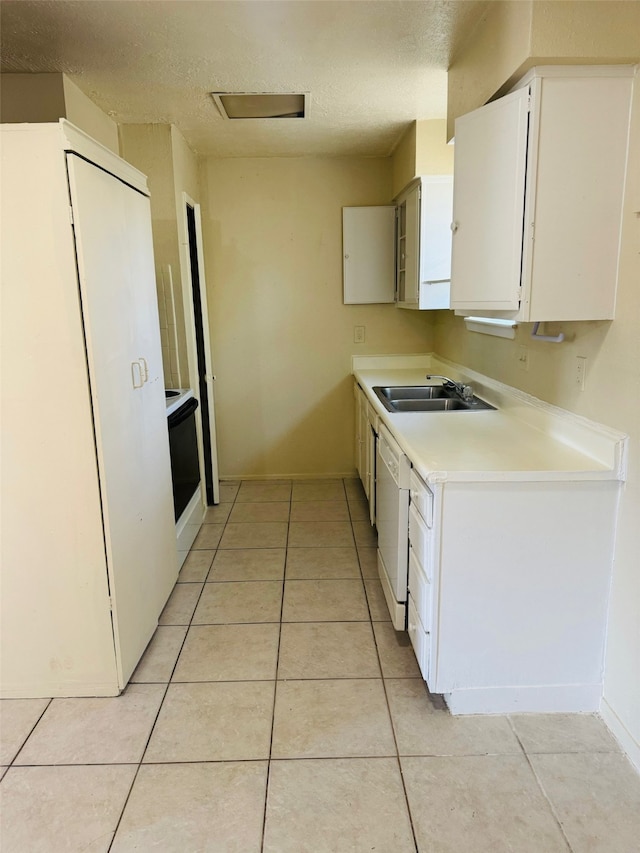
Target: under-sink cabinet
<point>538,195</point>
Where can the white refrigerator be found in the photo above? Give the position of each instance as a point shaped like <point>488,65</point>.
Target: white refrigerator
<point>88,550</point>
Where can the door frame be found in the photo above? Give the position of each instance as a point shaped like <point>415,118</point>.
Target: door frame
<point>192,354</point>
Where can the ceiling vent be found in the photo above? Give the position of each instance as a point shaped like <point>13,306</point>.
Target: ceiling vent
<point>234,105</point>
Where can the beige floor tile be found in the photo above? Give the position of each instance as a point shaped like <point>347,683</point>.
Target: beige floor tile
<point>318,490</point>
<point>322,563</point>
<point>482,804</point>
<point>95,731</point>
<point>358,510</point>
<point>596,798</point>
<point>62,809</point>
<point>563,733</point>
<point>228,491</point>
<point>376,600</point>
<point>320,511</point>
<point>327,650</point>
<point>227,721</point>
<point>260,511</point>
<point>159,659</point>
<point>252,491</point>
<point>242,601</point>
<point>396,652</point>
<point>324,601</point>
<point>182,602</point>
<point>229,653</point>
<point>354,489</point>
<point>208,537</point>
<point>251,564</point>
<point>182,808</point>
<point>365,535</point>
<point>263,534</point>
<point>337,806</point>
<point>368,558</point>
<point>217,514</point>
<point>196,567</point>
<point>331,718</point>
<point>17,719</point>
<point>422,729</point>
<point>320,534</point>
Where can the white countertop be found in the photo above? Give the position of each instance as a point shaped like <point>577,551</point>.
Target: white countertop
<point>524,439</point>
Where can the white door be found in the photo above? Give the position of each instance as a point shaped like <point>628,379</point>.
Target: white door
<point>488,205</point>
<point>117,287</point>
<point>368,249</point>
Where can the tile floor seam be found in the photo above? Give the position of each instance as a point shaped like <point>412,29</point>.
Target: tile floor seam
<point>155,721</point>
<point>556,817</point>
<point>275,683</point>
<point>22,744</point>
<point>393,730</point>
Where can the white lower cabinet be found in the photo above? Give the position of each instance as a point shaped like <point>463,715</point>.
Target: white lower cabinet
<point>508,588</point>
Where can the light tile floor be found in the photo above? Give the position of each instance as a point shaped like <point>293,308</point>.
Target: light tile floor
<point>277,710</point>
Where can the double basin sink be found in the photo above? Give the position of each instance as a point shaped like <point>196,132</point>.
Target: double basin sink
<point>427,398</point>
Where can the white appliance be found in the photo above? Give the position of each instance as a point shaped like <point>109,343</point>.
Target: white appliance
<point>88,537</point>
<point>392,520</point>
<point>188,499</point>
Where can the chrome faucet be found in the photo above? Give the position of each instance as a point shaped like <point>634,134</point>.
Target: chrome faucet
<point>464,391</point>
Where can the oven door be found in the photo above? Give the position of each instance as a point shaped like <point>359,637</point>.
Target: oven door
<point>183,446</point>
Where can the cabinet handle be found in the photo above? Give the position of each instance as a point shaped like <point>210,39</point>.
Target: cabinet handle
<point>454,227</point>
<point>145,369</point>
<point>134,365</point>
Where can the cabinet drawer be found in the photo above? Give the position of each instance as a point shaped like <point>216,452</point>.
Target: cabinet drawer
<point>421,497</point>
<point>420,640</point>
<point>420,539</point>
<point>420,590</point>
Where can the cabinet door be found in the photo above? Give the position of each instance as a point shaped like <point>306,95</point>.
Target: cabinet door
<point>488,205</point>
<point>115,263</point>
<point>409,247</point>
<point>368,254</point>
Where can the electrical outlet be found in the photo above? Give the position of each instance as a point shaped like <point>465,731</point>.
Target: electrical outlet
<point>581,371</point>
<point>523,358</point>
<point>358,334</point>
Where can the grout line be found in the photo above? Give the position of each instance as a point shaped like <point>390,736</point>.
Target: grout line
<point>539,783</point>
<point>162,701</point>
<point>275,683</point>
<point>26,738</point>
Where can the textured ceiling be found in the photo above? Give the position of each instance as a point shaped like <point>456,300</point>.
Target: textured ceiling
<point>370,66</point>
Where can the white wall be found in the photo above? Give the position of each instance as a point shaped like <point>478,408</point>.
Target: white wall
<point>282,339</point>
<point>612,349</point>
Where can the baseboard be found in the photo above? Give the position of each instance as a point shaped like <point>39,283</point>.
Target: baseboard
<point>544,699</point>
<point>621,733</point>
<point>336,475</point>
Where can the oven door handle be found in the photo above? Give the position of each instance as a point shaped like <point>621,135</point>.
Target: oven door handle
<point>185,411</point>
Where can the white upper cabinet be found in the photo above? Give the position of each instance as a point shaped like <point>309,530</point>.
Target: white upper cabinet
<point>423,243</point>
<point>367,253</point>
<point>539,184</point>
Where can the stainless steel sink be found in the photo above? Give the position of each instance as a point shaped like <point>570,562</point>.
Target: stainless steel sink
<point>427,398</point>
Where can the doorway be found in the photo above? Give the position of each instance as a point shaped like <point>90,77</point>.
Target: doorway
<point>200,374</point>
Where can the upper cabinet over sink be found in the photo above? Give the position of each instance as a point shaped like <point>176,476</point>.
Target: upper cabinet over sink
<point>538,193</point>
